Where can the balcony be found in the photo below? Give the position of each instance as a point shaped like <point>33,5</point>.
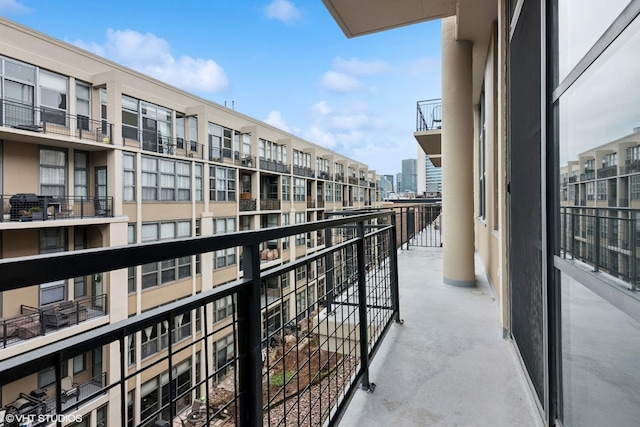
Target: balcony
<point>274,166</point>
<point>456,357</point>
<point>27,207</point>
<point>270,204</point>
<point>34,322</point>
<point>157,143</point>
<point>311,204</point>
<point>429,129</point>
<point>246,203</point>
<point>339,177</point>
<point>325,175</point>
<point>303,171</point>
<point>48,121</point>
<point>38,404</point>
<point>588,175</point>
<point>608,171</point>
<point>353,180</point>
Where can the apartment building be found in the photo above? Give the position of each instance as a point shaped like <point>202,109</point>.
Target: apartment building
<point>95,155</point>
<point>531,90</point>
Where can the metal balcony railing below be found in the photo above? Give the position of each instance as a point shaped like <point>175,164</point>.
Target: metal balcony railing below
<point>47,120</point>
<point>339,177</point>
<point>274,166</point>
<point>246,205</point>
<point>325,175</point>
<point>353,180</point>
<point>156,142</point>
<point>303,171</point>
<point>588,175</point>
<point>270,204</point>
<point>608,171</point>
<point>34,322</point>
<point>606,238</point>
<point>254,366</point>
<point>26,207</point>
<point>429,115</point>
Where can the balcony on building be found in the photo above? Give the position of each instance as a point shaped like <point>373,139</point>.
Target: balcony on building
<point>303,171</point>
<point>28,123</point>
<point>156,142</point>
<point>31,207</point>
<point>323,295</point>
<point>429,129</point>
<point>274,166</point>
<point>33,322</point>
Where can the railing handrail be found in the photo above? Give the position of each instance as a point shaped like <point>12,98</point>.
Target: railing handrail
<point>98,131</point>
<point>246,290</point>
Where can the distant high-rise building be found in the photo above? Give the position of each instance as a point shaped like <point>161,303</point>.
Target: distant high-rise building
<point>409,176</point>
<point>399,182</point>
<point>386,185</point>
<point>429,176</point>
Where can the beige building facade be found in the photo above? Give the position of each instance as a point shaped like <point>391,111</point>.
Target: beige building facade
<point>93,155</point>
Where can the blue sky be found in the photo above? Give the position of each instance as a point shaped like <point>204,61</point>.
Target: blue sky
<point>285,62</point>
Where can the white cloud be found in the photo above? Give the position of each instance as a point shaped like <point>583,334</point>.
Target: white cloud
<point>275,119</point>
<point>283,10</point>
<point>339,82</point>
<point>151,55</point>
<point>13,7</point>
<point>361,67</point>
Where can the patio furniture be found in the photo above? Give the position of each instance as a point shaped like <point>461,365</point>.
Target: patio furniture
<point>28,327</point>
<point>54,318</point>
<point>68,388</point>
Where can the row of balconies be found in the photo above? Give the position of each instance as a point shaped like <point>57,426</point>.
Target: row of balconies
<point>45,120</point>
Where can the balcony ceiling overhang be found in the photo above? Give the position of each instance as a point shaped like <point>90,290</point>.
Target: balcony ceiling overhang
<point>431,143</point>
<point>360,17</point>
<point>474,21</point>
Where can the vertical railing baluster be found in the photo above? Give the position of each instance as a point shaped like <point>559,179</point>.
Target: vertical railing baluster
<point>393,265</point>
<point>596,261</point>
<point>329,278</point>
<point>250,354</point>
<point>362,309</point>
<point>123,387</point>
<point>633,276</point>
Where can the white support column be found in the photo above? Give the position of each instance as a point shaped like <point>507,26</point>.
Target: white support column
<point>457,158</point>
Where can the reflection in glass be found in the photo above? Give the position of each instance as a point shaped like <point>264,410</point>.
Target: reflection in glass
<point>600,348</point>
<point>580,24</point>
<point>604,104</point>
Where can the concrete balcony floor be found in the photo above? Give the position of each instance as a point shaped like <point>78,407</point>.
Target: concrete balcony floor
<point>448,365</point>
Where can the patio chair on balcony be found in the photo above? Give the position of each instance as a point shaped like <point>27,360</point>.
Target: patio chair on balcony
<point>54,318</point>
<point>68,388</point>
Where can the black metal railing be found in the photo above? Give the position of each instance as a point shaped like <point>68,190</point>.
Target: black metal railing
<point>34,322</point>
<point>270,204</point>
<point>245,160</point>
<point>325,175</point>
<point>607,239</point>
<point>419,225</point>
<point>353,180</point>
<point>46,120</point>
<point>588,175</point>
<point>305,345</point>
<point>303,171</point>
<point>274,166</point>
<point>339,177</point>
<point>607,171</point>
<point>247,205</point>
<point>156,142</point>
<point>429,115</point>
<point>26,207</point>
